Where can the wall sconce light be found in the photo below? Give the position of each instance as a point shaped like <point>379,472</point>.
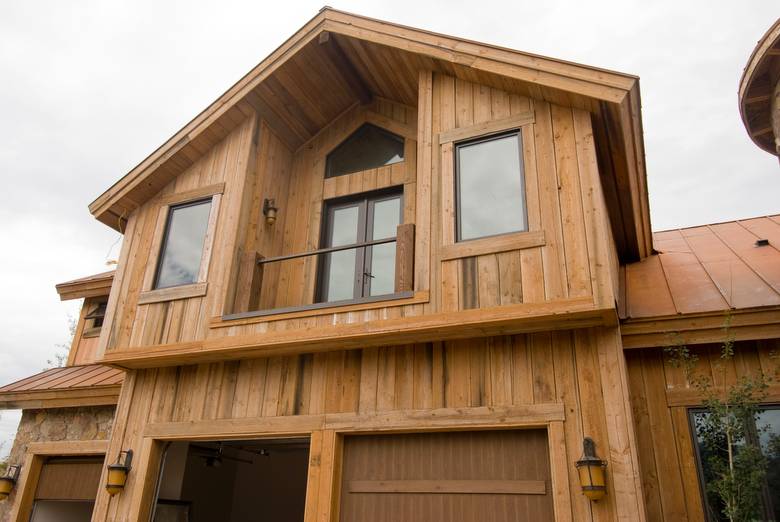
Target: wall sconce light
<point>8,481</point>
<point>117,472</point>
<point>269,211</point>
<point>592,471</point>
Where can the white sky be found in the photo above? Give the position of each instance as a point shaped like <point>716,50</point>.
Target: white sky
<point>90,88</point>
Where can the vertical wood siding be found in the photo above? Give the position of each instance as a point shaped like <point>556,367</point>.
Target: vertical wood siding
<point>660,398</point>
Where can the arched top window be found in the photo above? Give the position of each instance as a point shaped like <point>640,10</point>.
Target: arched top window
<point>368,147</point>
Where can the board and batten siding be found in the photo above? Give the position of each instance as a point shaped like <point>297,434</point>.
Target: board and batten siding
<point>661,397</point>
<point>575,257</point>
<point>580,371</point>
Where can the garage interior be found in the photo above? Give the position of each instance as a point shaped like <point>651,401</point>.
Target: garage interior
<point>233,481</point>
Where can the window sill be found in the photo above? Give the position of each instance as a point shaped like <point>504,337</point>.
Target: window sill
<point>316,309</point>
<point>493,245</point>
<point>173,293</point>
<point>89,333</point>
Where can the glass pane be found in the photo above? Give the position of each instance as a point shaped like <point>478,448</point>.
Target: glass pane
<point>340,276</point>
<point>183,248</point>
<point>62,511</point>
<point>387,216</point>
<point>767,423</point>
<point>770,446</point>
<point>383,269</point>
<point>491,193</point>
<point>368,148</point>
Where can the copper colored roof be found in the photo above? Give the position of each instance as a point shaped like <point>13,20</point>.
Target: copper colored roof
<point>707,268</point>
<point>60,387</point>
<point>90,286</point>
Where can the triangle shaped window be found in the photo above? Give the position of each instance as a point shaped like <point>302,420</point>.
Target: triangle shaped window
<point>368,147</point>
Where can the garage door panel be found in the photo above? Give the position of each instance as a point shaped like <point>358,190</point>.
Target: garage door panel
<point>457,476</point>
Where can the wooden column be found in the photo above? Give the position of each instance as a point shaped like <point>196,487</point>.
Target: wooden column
<point>623,457</point>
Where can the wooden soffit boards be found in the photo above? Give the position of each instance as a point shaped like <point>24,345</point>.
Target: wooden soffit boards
<point>360,44</point>
<point>91,286</point>
<point>756,87</point>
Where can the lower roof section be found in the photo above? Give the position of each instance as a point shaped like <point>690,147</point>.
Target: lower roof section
<point>70,386</point>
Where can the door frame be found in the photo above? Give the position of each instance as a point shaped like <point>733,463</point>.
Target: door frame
<point>326,434</point>
<point>35,458</point>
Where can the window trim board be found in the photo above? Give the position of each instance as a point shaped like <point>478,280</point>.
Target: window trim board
<point>456,174</point>
<point>149,294</point>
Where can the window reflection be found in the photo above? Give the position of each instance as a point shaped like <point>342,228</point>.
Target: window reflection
<point>182,248</point>
<point>368,147</point>
<point>491,195</point>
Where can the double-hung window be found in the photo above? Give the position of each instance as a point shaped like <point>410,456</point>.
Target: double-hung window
<point>490,186</point>
<point>365,271</point>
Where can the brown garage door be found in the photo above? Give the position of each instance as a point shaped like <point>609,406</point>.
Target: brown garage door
<point>454,477</point>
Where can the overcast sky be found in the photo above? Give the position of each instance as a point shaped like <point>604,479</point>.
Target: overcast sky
<point>90,88</point>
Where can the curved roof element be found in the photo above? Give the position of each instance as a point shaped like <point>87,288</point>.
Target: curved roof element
<point>756,88</point>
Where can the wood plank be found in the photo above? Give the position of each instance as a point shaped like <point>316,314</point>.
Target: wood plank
<point>475,487</point>
<point>173,293</point>
<point>484,128</point>
<point>492,245</point>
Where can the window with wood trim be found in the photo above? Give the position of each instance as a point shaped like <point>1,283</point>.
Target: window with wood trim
<point>490,186</point>
<point>368,147</point>
<point>182,245</point>
<point>96,312</point>
<point>365,271</point>
<point>765,429</point>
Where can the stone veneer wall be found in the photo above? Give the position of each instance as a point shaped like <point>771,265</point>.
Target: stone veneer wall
<point>86,423</point>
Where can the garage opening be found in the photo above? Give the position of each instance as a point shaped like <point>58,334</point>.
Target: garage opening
<point>66,490</point>
<point>233,481</point>
<point>501,476</point>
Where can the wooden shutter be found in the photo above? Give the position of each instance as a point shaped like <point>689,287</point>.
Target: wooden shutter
<point>458,477</point>
<point>69,478</point>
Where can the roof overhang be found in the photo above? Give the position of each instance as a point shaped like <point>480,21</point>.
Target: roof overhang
<point>756,87</point>
<point>612,98</point>
<point>91,286</point>
<point>67,387</point>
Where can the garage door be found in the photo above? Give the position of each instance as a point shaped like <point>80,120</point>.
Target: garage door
<point>454,477</point>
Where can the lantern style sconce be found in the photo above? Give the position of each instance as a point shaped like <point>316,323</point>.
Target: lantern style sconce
<point>117,472</point>
<point>592,471</point>
<point>8,482</point>
<point>269,211</point>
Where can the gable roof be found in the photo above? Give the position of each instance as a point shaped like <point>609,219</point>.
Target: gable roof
<point>90,286</point>
<point>359,57</point>
<point>705,269</point>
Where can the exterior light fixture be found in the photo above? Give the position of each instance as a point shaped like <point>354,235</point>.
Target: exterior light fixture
<point>117,472</point>
<point>592,471</point>
<point>8,481</point>
<point>269,211</point>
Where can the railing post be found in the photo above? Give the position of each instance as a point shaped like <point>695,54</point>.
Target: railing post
<point>404,258</point>
<point>249,283</point>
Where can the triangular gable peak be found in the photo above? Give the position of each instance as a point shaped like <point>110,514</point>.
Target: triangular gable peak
<point>347,58</point>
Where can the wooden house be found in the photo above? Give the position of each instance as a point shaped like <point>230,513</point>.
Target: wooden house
<point>393,275</point>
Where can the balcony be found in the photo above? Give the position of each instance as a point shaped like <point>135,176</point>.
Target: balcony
<point>264,282</point>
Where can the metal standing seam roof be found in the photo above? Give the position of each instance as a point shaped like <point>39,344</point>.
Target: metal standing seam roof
<point>67,378</point>
<point>706,268</point>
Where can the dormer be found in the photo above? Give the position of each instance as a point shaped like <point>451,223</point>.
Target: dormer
<point>94,291</point>
<point>370,183</point>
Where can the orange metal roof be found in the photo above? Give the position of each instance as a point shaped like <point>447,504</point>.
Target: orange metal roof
<point>67,378</point>
<point>706,269</point>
